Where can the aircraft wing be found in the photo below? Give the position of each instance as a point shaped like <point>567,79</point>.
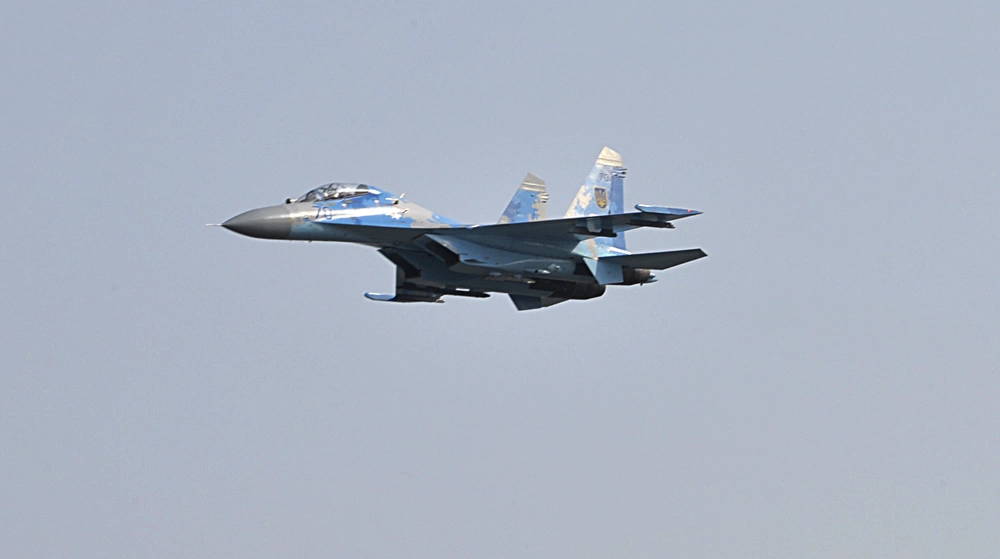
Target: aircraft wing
<point>590,226</point>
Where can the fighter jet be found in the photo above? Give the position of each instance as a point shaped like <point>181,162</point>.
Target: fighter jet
<point>537,262</point>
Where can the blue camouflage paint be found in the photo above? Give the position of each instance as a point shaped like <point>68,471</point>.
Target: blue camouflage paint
<point>602,193</point>
<point>528,202</point>
<point>538,262</point>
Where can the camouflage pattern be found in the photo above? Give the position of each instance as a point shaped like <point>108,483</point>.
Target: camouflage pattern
<point>602,192</point>
<point>538,262</point>
<point>528,203</point>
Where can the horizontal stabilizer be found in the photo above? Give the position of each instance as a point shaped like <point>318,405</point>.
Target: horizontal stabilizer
<point>656,260</point>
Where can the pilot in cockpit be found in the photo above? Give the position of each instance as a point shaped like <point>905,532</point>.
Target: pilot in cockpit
<point>334,191</point>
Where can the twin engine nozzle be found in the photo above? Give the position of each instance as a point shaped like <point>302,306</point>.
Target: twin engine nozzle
<point>632,276</point>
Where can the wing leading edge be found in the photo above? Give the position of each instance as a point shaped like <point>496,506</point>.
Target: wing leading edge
<point>588,226</point>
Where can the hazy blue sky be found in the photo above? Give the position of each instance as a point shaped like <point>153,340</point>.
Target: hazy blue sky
<point>825,384</point>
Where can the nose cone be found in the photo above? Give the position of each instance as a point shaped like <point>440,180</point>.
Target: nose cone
<point>273,222</point>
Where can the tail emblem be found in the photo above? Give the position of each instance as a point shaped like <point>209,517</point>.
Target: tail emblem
<point>601,197</point>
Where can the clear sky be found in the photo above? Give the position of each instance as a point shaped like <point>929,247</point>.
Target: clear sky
<point>824,384</point>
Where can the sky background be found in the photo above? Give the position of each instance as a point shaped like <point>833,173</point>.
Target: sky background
<point>825,384</point>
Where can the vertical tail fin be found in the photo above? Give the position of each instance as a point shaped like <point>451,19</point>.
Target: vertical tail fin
<point>603,192</point>
<point>528,203</point>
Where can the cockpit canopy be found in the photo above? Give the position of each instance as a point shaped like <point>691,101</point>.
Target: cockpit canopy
<point>336,190</point>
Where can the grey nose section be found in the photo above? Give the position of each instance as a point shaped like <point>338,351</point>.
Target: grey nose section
<point>273,222</point>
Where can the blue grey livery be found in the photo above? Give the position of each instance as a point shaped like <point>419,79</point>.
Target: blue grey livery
<point>536,261</point>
